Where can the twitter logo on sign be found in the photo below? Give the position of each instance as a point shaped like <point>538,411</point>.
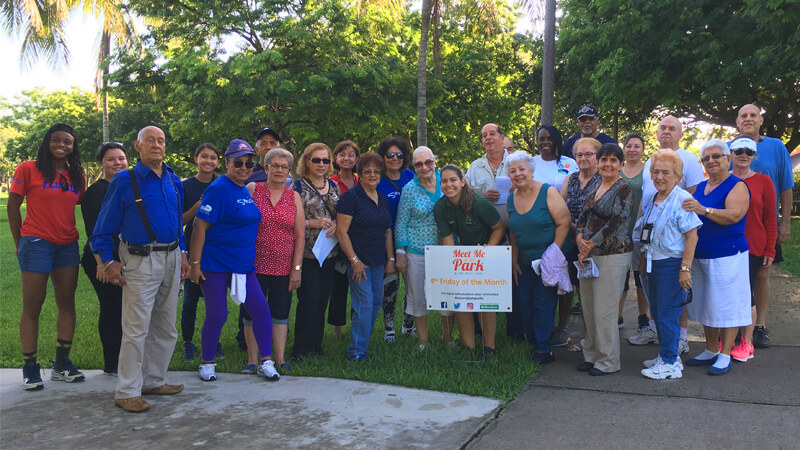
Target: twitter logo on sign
<point>456,305</point>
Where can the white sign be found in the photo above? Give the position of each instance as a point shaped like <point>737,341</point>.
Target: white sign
<point>468,278</point>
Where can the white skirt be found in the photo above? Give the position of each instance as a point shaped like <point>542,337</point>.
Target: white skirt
<point>416,303</point>
<point>721,290</point>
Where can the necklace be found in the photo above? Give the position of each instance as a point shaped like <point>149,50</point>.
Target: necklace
<point>318,187</point>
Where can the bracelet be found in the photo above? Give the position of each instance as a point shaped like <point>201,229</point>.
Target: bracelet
<point>400,251</point>
<point>354,259</point>
<point>686,268</point>
<point>306,223</point>
<point>107,265</point>
<point>392,259</point>
<point>195,262</point>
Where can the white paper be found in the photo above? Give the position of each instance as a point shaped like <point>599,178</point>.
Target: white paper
<point>324,245</point>
<point>502,185</point>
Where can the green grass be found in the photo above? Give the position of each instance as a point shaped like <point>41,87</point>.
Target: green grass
<point>791,249</point>
<point>438,367</point>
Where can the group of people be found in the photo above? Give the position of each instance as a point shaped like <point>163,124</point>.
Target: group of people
<point>579,217</point>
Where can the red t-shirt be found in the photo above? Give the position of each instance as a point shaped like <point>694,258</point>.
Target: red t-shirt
<point>761,226</point>
<point>275,238</point>
<point>343,187</point>
<point>50,211</point>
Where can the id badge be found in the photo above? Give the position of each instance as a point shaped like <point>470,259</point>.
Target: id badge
<point>647,231</point>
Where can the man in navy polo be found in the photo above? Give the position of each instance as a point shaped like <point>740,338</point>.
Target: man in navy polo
<point>588,122</point>
<point>154,260</point>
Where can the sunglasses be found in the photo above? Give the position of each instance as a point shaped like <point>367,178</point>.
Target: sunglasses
<point>715,157</point>
<point>238,163</point>
<point>398,155</point>
<point>427,163</point>
<point>320,160</point>
<point>747,151</point>
<point>633,135</point>
<point>112,144</point>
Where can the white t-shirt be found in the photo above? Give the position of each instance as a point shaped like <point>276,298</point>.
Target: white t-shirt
<point>552,172</point>
<point>692,174</point>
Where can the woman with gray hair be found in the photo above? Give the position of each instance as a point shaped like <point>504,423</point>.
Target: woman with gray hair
<point>534,206</point>
<point>415,229</point>
<point>721,291</point>
<point>279,251</point>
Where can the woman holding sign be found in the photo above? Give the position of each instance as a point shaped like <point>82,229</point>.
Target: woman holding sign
<point>602,234</point>
<point>534,206</point>
<point>464,213</point>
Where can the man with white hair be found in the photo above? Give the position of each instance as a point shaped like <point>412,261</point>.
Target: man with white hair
<point>772,159</point>
<point>143,206</point>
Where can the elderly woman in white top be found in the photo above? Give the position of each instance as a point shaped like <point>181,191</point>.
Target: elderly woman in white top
<point>416,228</point>
<point>669,236</point>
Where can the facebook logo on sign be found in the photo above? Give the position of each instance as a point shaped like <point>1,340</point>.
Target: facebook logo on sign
<point>444,305</point>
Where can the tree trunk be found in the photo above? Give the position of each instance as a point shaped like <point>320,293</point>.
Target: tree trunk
<point>106,49</point>
<point>548,63</point>
<point>422,74</point>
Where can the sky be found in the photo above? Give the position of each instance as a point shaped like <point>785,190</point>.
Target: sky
<point>83,34</point>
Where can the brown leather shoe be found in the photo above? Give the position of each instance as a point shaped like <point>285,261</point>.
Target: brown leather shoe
<point>164,389</point>
<point>132,404</point>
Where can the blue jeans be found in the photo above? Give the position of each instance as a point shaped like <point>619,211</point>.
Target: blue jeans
<point>366,298</point>
<point>537,304</point>
<point>666,298</point>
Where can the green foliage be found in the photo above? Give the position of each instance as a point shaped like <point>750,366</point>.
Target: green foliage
<point>702,59</point>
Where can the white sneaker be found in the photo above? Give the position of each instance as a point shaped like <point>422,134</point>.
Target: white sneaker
<point>207,372</point>
<point>662,371</point>
<point>683,346</point>
<point>267,370</point>
<point>646,335</point>
<point>657,360</point>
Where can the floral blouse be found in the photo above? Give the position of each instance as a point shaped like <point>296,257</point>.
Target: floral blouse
<point>317,206</point>
<point>604,221</point>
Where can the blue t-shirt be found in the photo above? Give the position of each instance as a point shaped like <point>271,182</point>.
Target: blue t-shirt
<point>715,240</point>
<point>192,191</point>
<point>602,137</point>
<point>367,230</point>
<point>392,194</point>
<point>773,160</point>
<point>230,245</point>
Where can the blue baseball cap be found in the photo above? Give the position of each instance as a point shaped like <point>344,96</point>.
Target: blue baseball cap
<point>237,148</point>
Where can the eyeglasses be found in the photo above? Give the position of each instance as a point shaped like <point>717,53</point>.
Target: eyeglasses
<point>715,156</point>
<point>320,160</point>
<point>427,163</point>
<point>584,155</point>
<point>280,167</point>
<point>747,151</point>
<point>370,172</point>
<point>398,155</point>
<point>508,148</point>
<point>238,163</point>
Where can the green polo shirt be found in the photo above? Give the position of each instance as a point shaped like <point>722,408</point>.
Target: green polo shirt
<point>472,230</point>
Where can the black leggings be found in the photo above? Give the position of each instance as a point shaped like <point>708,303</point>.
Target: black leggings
<point>110,322</point>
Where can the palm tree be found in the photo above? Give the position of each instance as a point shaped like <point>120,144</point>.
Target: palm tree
<point>41,24</point>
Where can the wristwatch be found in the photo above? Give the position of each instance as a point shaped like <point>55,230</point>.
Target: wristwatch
<point>298,268</point>
<point>709,211</point>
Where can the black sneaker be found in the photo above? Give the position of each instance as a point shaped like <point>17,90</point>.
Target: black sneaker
<point>488,353</point>
<point>219,355</point>
<point>31,377</point>
<point>620,322</point>
<point>64,370</point>
<point>576,309</point>
<point>542,358</point>
<point>190,351</point>
<point>644,321</point>
<point>760,337</point>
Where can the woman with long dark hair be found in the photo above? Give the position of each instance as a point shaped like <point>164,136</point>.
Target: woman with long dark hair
<point>111,158</point>
<point>46,245</point>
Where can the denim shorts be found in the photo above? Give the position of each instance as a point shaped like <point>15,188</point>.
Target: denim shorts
<point>40,256</point>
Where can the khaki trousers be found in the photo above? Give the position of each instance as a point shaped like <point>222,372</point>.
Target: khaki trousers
<point>149,306</point>
<point>600,303</point>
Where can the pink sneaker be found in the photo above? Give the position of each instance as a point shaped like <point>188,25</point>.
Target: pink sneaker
<point>743,352</point>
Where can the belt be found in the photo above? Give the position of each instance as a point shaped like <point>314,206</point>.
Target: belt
<point>153,247</point>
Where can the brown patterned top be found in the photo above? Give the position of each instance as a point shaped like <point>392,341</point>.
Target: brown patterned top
<point>317,206</point>
<point>603,221</point>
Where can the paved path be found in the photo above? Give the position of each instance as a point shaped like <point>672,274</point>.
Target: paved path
<point>757,405</point>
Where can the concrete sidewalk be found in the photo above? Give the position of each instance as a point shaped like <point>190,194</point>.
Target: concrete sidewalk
<point>756,405</point>
<point>238,411</point>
